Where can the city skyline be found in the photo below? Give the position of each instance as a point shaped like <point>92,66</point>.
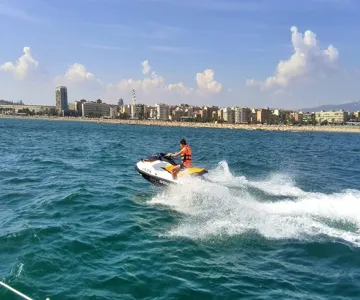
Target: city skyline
<point>227,53</point>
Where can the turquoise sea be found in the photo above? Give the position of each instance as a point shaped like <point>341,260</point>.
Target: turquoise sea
<point>280,219</point>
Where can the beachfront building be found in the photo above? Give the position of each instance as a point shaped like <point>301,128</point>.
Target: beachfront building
<point>12,109</point>
<point>191,111</point>
<point>263,115</point>
<point>308,118</point>
<point>126,109</point>
<point>278,116</point>
<point>209,113</point>
<point>95,109</point>
<point>147,111</point>
<point>242,115</point>
<point>178,113</point>
<point>229,115</point>
<point>137,111</point>
<point>220,114</point>
<point>162,111</point>
<point>298,117</point>
<point>153,113</point>
<point>61,99</point>
<point>331,116</point>
<point>253,116</point>
<point>114,111</point>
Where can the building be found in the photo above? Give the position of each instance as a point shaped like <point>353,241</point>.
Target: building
<point>149,112</point>
<point>61,98</point>
<point>126,110</point>
<point>153,113</point>
<point>228,115</point>
<point>308,118</point>
<point>17,108</point>
<point>137,111</point>
<point>162,111</point>
<point>209,113</point>
<point>177,113</point>
<point>242,115</point>
<point>114,111</point>
<point>298,117</point>
<point>220,114</point>
<point>263,115</point>
<point>357,114</point>
<point>190,111</point>
<point>331,116</point>
<point>95,109</point>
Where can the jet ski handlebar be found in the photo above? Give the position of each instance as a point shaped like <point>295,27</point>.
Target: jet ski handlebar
<point>160,156</point>
<point>167,158</point>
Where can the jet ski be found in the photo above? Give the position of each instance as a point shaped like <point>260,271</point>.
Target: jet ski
<point>156,168</point>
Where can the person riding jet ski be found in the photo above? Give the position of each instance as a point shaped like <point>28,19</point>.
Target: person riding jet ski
<point>185,152</point>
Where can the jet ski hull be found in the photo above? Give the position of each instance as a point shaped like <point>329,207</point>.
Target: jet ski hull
<point>157,170</point>
<point>153,179</point>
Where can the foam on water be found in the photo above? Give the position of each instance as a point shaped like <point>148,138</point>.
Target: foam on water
<point>230,205</point>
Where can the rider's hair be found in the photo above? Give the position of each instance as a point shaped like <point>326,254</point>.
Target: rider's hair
<point>183,142</point>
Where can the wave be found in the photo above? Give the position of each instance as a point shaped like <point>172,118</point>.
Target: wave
<point>275,208</point>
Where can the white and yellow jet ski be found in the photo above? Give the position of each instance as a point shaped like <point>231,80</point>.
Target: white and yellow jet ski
<point>157,169</point>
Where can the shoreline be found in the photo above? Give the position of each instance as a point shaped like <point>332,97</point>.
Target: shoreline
<point>304,128</point>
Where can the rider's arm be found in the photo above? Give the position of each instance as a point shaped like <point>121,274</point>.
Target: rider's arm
<point>177,153</point>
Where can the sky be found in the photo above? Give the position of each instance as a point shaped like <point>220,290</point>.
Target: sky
<point>255,53</point>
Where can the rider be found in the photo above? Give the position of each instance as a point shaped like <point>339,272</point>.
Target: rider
<point>185,152</point>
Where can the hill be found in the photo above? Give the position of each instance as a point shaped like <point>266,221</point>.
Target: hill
<point>350,107</point>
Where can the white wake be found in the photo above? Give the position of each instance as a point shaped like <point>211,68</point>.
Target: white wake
<point>230,206</point>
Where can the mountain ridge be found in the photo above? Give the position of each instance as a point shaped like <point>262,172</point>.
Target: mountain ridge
<point>349,107</point>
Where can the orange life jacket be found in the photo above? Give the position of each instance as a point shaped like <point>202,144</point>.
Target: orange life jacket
<point>186,156</point>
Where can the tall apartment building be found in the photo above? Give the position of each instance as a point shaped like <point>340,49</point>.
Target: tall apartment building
<point>190,111</point>
<point>229,115</point>
<point>126,109</point>
<point>178,113</point>
<point>220,114</point>
<point>153,113</point>
<point>137,111</point>
<point>162,111</point>
<point>61,99</point>
<point>242,115</point>
<point>263,115</point>
<point>208,113</point>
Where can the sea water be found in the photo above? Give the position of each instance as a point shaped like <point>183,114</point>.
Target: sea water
<point>278,218</point>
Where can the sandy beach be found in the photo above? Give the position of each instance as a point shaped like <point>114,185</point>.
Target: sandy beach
<point>350,129</point>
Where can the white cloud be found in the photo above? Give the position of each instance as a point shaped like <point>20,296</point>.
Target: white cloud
<point>23,66</point>
<point>206,83</point>
<point>154,85</point>
<point>308,61</point>
<point>83,83</point>
<point>180,88</point>
<point>146,67</point>
<point>76,73</point>
<point>147,84</point>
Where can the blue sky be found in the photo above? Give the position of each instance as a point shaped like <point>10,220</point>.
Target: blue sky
<point>96,48</point>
